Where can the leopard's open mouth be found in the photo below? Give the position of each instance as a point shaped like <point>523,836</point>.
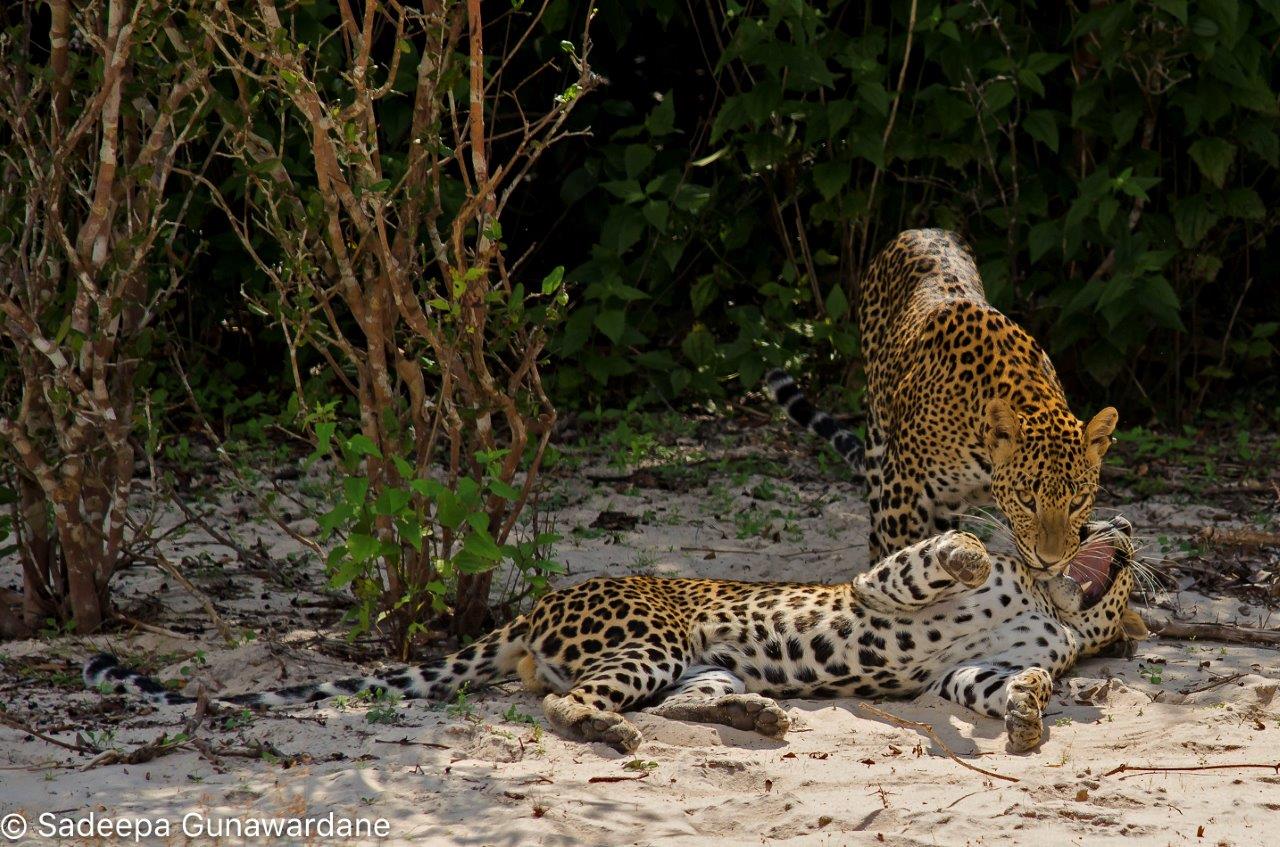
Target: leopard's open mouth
<point>1093,569</point>
<point>1099,559</point>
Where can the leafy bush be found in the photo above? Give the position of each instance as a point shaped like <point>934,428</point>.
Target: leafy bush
<point>369,192</point>
<point>1108,163</point>
<point>99,106</point>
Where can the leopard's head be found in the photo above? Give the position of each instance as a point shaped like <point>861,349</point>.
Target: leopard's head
<point>1044,477</point>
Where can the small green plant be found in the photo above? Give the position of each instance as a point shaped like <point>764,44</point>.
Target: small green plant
<point>461,706</point>
<point>383,709</point>
<point>643,563</point>
<point>403,551</point>
<point>514,715</point>
<point>1063,721</point>
<point>642,765</point>
<point>101,739</point>
<point>1153,674</point>
<point>57,629</point>
<point>197,660</point>
<point>238,720</point>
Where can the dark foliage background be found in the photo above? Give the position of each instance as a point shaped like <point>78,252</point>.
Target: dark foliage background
<point>1111,162</point>
<point>703,214</point>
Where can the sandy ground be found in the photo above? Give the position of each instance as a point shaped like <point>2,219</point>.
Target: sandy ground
<point>486,771</point>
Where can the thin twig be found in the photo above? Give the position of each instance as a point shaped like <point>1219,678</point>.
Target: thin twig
<point>928,730</point>
<point>168,567</point>
<point>146,627</point>
<point>1187,768</point>
<point>22,726</point>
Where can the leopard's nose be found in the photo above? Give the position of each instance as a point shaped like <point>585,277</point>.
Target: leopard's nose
<point>1051,555</point>
<point>1052,565</point>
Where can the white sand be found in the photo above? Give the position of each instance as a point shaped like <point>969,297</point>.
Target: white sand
<point>473,776</point>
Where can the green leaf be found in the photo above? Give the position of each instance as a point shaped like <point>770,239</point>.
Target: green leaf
<point>361,547</point>
<point>1107,208</point>
<point>429,488</point>
<point>450,510</point>
<point>699,346</point>
<point>480,544</point>
<point>1042,125</point>
<point>613,323</point>
<point>362,445</point>
<point>1177,8</point>
<point>874,94</point>
<point>552,280</point>
<point>655,212</point>
<point>1205,27</point>
<point>1193,218</point>
<point>324,436</point>
<point>837,305</point>
<point>504,490</point>
<point>1042,238</point>
<point>1214,157</point>
<point>1043,63</point>
<point>663,117</point>
<point>354,489</point>
<point>636,158</point>
<point>391,501</point>
<point>1244,203</point>
<point>1161,301</point>
<point>839,113</point>
<point>998,95</point>
<point>703,293</point>
<point>831,177</point>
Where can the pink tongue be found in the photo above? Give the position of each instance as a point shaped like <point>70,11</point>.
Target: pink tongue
<point>1092,564</point>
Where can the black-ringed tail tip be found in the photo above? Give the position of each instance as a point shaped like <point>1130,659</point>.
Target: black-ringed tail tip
<point>785,392</point>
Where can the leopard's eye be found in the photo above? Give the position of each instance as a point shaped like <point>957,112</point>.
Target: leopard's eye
<point>1027,498</point>
<point>1079,501</point>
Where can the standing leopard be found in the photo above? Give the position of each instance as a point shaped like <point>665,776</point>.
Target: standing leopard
<point>964,409</point>
<point>942,616</point>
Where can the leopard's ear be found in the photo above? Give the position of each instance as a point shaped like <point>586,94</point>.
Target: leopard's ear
<point>1003,431</point>
<point>1132,625</point>
<point>1097,433</point>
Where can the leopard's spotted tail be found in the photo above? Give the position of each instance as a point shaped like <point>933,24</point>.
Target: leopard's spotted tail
<point>788,395</point>
<point>488,659</point>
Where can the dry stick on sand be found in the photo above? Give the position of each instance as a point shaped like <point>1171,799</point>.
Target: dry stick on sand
<point>1134,770</point>
<point>1169,628</point>
<point>928,730</point>
<point>22,726</point>
<point>169,568</point>
<point>164,744</point>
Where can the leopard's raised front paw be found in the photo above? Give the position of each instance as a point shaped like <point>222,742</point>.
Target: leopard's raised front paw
<point>963,555</point>
<point>1029,692</point>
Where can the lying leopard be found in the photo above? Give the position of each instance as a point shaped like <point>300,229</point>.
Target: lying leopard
<point>963,409</point>
<point>942,616</point>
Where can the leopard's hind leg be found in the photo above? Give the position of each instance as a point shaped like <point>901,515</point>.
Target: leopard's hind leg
<point>1015,685</point>
<point>708,694</point>
<point>604,687</point>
